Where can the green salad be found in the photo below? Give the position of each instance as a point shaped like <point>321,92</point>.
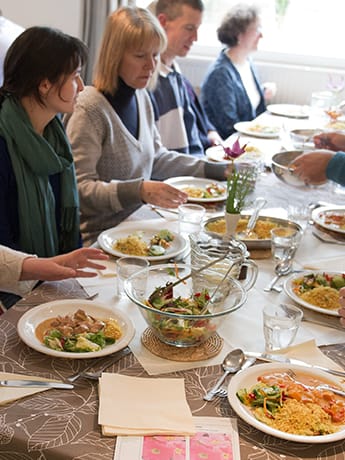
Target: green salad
<point>77,343</point>
<point>174,328</point>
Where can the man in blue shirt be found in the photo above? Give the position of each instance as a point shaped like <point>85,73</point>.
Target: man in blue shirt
<point>181,120</point>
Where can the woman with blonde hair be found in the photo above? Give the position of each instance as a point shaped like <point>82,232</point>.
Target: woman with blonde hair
<point>120,160</point>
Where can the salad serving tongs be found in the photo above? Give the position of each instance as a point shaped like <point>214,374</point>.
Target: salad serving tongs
<point>169,286</point>
<point>194,272</point>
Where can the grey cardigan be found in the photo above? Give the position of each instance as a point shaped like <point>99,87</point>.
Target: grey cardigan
<point>111,163</point>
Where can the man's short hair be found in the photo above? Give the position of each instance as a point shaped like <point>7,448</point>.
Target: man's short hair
<point>172,8</point>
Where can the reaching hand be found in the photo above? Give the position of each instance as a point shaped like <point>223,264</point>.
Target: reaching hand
<point>311,167</point>
<point>63,266</point>
<point>161,194</point>
<point>330,141</point>
<point>214,138</point>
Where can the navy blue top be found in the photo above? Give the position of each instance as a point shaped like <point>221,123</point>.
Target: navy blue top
<point>125,105</point>
<point>9,219</point>
<point>225,98</point>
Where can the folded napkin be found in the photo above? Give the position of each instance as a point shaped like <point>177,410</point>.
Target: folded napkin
<point>143,406</point>
<point>8,394</point>
<point>310,354</point>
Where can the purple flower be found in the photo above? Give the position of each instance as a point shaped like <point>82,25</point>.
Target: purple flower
<point>235,151</point>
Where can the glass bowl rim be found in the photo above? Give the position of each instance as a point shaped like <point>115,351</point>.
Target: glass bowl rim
<point>179,315</point>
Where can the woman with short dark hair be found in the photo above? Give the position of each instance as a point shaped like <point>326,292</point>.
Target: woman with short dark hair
<point>231,91</point>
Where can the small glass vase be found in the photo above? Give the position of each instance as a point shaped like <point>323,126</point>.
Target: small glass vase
<point>231,221</point>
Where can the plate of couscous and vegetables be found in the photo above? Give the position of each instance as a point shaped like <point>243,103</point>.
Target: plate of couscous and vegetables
<point>316,290</point>
<point>146,241</point>
<point>290,402</point>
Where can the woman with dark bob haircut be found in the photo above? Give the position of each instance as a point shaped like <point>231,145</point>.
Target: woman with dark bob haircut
<point>38,199</point>
<point>231,91</point>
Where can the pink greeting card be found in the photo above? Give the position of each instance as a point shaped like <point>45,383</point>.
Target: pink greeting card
<point>215,439</point>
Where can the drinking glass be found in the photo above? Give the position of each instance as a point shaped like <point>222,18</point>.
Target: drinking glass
<point>321,101</point>
<point>125,267</point>
<point>283,240</point>
<point>299,213</point>
<point>190,217</point>
<point>280,323</point>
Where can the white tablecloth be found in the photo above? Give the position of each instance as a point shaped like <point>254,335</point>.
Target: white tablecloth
<point>242,328</point>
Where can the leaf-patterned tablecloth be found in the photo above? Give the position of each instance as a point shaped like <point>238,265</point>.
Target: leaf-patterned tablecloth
<point>62,425</point>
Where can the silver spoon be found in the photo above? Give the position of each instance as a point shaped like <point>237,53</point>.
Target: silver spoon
<point>231,364</point>
<point>282,268</point>
<point>259,204</point>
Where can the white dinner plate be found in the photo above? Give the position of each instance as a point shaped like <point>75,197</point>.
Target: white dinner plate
<point>107,239</point>
<point>248,378</point>
<point>289,110</point>
<point>216,153</point>
<point>257,129</point>
<point>288,287</point>
<point>319,214</point>
<point>197,182</point>
<point>32,318</point>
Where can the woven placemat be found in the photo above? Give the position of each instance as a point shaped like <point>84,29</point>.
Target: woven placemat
<point>206,350</point>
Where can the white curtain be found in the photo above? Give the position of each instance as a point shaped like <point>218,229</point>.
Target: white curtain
<point>94,15</point>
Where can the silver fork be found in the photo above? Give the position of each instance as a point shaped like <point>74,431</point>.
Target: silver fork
<point>106,362</point>
<point>222,393</point>
<point>336,391</point>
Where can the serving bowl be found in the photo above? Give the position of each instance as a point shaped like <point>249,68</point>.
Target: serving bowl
<point>210,224</point>
<point>176,327</point>
<point>303,138</point>
<point>281,166</point>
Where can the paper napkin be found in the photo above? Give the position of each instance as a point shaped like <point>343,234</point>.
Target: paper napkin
<point>143,406</point>
<point>8,394</point>
<point>310,354</point>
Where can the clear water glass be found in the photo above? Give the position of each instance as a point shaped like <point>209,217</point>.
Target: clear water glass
<point>280,325</point>
<point>127,266</point>
<point>190,217</point>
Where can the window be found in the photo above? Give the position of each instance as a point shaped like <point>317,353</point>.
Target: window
<point>299,31</point>
<point>306,32</point>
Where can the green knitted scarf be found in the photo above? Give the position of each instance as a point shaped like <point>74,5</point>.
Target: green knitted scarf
<point>34,158</point>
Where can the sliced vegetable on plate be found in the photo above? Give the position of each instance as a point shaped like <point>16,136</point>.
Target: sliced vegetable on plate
<point>318,291</point>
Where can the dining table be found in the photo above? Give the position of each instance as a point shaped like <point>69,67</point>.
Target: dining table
<point>63,424</point>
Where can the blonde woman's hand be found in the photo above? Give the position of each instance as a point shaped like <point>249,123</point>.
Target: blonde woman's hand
<point>161,194</point>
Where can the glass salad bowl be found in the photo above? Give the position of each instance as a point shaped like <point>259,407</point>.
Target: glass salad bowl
<point>188,313</point>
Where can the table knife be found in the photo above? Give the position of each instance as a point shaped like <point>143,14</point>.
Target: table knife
<point>35,384</point>
<point>286,360</point>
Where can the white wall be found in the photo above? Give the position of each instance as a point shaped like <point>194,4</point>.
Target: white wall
<point>62,14</point>
<point>295,83</point>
